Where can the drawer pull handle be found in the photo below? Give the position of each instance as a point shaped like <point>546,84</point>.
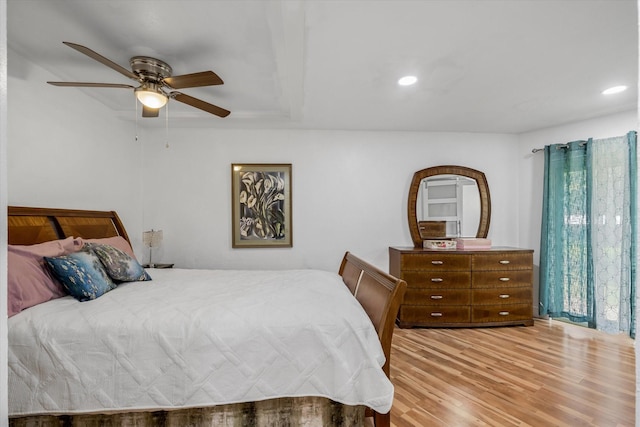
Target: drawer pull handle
<point>504,261</point>
<point>437,279</point>
<point>504,296</point>
<point>435,262</point>
<point>436,314</point>
<point>504,313</point>
<point>504,279</point>
<point>436,297</point>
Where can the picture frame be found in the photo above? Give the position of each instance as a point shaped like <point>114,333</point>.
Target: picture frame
<point>261,205</point>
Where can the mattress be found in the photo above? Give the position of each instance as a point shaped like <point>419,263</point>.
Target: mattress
<point>195,338</point>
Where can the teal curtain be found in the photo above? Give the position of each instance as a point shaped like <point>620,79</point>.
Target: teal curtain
<point>589,233</point>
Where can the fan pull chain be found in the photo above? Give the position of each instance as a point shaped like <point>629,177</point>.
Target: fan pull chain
<point>136,130</point>
<point>166,125</point>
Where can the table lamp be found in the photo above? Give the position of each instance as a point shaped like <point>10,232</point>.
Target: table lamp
<point>152,238</point>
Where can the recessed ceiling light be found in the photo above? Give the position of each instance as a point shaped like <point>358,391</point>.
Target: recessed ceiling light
<point>407,80</point>
<point>615,89</point>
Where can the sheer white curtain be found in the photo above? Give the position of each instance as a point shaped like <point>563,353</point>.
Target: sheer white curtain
<point>610,233</point>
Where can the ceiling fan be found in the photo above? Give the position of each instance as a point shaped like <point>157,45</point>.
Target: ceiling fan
<point>155,81</point>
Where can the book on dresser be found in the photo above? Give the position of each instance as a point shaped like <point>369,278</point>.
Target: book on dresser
<point>463,288</point>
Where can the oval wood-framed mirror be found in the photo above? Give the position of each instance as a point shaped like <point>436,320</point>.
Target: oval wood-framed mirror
<point>484,215</point>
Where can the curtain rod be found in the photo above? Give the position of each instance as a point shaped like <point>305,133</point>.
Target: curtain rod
<point>581,144</point>
<point>558,147</point>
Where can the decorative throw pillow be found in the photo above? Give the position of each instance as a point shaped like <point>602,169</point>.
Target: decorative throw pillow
<point>116,241</point>
<point>29,281</point>
<point>118,264</point>
<point>82,274</point>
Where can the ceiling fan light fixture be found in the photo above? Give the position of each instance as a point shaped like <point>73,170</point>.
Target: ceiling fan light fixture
<point>150,97</point>
<point>153,77</point>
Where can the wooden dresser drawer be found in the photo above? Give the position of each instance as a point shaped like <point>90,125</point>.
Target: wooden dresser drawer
<point>501,313</point>
<point>437,279</point>
<point>500,279</point>
<point>435,261</point>
<point>438,297</point>
<point>504,296</point>
<point>503,261</point>
<point>426,314</point>
<point>464,288</point>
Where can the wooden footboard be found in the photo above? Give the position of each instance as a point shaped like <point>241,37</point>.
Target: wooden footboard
<point>380,294</point>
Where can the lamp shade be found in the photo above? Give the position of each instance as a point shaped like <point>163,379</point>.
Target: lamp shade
<point>152,238</point>
<point>151,97</point>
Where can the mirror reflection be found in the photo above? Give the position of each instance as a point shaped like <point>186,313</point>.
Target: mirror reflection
<point>446,202</point>
<point>448,206</point>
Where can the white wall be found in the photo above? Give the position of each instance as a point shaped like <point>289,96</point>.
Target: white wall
<point>349,188</point>
<point>66,150</point>
<point>531,171</point>
<point>349,191</point>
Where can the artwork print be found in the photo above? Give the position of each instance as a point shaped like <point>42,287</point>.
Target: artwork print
<point>261,202</point>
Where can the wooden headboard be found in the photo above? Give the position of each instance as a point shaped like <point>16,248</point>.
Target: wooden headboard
<point>28,226</point>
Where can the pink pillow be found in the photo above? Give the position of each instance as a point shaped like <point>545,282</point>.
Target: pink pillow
<point>117,242</point>
<point>29,280</point>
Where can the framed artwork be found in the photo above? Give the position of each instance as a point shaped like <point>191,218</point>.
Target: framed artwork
<point>261,205</point>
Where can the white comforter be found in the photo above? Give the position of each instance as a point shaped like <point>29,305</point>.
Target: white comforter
<point>193,338</point>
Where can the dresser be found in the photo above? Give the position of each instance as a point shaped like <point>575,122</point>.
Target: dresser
<point>463,288</point>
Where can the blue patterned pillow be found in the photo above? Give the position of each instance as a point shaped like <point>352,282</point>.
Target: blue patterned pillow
<point>119,265</point>
<point>82,274</point>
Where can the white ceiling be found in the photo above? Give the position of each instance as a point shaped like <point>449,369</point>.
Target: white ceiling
<point>505,66</point>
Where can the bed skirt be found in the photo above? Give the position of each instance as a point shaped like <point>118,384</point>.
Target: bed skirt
<point>300,411</point>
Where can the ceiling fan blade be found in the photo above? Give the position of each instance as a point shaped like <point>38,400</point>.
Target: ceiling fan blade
<point>109,63</point>
<point>83,84</point>
<point>150,112</point>
<point>198,103</point>
<point>204,78</point>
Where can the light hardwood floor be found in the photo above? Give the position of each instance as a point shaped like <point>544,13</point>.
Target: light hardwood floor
<point>549,374</point>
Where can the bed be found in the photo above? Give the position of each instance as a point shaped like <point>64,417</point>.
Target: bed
<point>198,347</point>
